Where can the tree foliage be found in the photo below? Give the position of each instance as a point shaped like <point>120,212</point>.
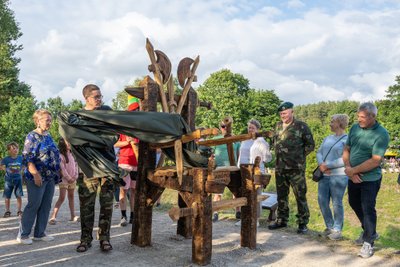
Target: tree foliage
<point>231,95</point>
<point>16,122</point>
<point>10,86</point>
<point>389,112</point>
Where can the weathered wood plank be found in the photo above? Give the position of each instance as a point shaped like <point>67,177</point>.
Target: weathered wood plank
<point>236,138</point>
<point>175,213</point>
<point>157,75</point>
<point>178,160</point>
<point>188,137</point>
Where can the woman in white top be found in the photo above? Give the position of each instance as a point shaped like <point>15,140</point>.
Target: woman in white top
<point>250,149</point>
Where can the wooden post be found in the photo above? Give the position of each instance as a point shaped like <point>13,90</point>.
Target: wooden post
<point>248,233</point>
<point>184,226</point>
<point>142,220</point>
<point>202,224</point>
<point>189,110</point>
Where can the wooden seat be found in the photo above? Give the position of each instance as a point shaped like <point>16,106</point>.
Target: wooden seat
<point>270,204</point>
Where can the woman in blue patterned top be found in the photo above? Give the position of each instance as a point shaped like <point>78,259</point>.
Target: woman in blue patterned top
<point>42,160</point>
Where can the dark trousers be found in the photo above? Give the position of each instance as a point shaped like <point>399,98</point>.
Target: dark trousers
<point>362,199</point>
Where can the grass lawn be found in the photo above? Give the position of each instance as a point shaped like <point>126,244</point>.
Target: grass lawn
<point>388,210</point>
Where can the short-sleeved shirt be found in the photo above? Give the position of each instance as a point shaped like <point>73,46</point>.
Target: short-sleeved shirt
<point>221,153</point>
<point>292,145</point>
<point>126,153</point>
<point>43,153</point>
<point>13,168</point>
<point>364,143</point>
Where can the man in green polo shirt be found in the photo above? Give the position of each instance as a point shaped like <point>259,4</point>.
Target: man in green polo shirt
<point>362,156</point>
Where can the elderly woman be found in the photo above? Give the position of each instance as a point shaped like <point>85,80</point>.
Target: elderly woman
<point>333,184</point>
<point>250,149</point>
<point>42,160</point>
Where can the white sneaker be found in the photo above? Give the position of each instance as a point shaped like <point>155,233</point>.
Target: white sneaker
<point>24,241</point>
<point>366,251</point>
<point>335,235</point>
<point>123,222</point>
<point>45,238</point>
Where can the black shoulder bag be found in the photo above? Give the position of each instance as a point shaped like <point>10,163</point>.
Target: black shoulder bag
<point>317,173</point>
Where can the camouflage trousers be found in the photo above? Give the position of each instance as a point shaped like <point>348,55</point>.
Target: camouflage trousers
<point>296,179</point>
<point>87,191</point>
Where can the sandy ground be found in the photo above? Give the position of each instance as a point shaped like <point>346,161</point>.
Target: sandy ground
<point>274,248</point>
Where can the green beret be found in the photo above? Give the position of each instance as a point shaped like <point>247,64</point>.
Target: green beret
<point>285,106</point>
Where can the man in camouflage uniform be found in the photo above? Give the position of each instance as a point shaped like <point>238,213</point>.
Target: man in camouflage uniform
<point>293,141</point>
<point>88,187</point>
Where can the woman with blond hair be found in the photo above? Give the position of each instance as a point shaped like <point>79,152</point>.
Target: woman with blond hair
<point>333,184</point>
<point>42,160</point>
<point>250,150</point>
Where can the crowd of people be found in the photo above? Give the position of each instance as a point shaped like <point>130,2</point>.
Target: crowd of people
<point>349,161</point>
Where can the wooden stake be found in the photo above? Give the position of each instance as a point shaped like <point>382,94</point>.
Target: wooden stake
<point>187,86</point>
<point>157,75</point>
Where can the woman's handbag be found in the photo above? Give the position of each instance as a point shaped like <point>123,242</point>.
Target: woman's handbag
<point>317,173</point>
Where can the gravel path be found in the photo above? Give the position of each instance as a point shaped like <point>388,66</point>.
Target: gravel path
<point>277,248</point>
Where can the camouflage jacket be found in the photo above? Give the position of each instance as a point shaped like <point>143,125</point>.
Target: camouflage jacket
<point>292,145</point>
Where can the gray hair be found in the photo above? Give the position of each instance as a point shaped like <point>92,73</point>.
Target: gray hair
<point>342,119</point>
<point>369,108</point>
<point>255,123</point>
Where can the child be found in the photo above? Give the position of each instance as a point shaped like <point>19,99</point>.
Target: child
<point>12,164</point>
<point>69,175</point>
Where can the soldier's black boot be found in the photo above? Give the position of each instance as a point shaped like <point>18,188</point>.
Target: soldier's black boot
<point>277,224</point>
<point>302,229</point>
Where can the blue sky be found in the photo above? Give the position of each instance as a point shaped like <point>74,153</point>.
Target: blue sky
<point>307,51</point>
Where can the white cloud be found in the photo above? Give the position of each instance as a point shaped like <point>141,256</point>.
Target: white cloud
<point>312,56</point>
<point>295,4</point>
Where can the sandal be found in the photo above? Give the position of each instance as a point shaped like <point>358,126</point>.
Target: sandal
<point>83,247</point>
<point>19,213</point>
<point>53,221</point>
<point>105,246</point>
<point>7,214</point>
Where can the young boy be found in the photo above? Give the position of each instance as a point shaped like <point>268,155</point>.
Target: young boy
<point>12,164</point>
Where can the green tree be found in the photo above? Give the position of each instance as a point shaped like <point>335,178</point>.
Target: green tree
<point>228,92</point>
<point>75,105</point>
<point>231,95</point>
<point>120,102</point>
<point>389,112</point>
<point>263,105</point>
<point>17,122</point>
<point>10,86</point>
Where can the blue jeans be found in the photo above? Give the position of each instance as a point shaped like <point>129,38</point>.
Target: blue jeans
<point>362,199</point>
<point>332,187</point>
<point>38,208</point>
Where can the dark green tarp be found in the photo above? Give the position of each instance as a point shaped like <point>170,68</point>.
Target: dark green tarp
<point>92,135</point>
